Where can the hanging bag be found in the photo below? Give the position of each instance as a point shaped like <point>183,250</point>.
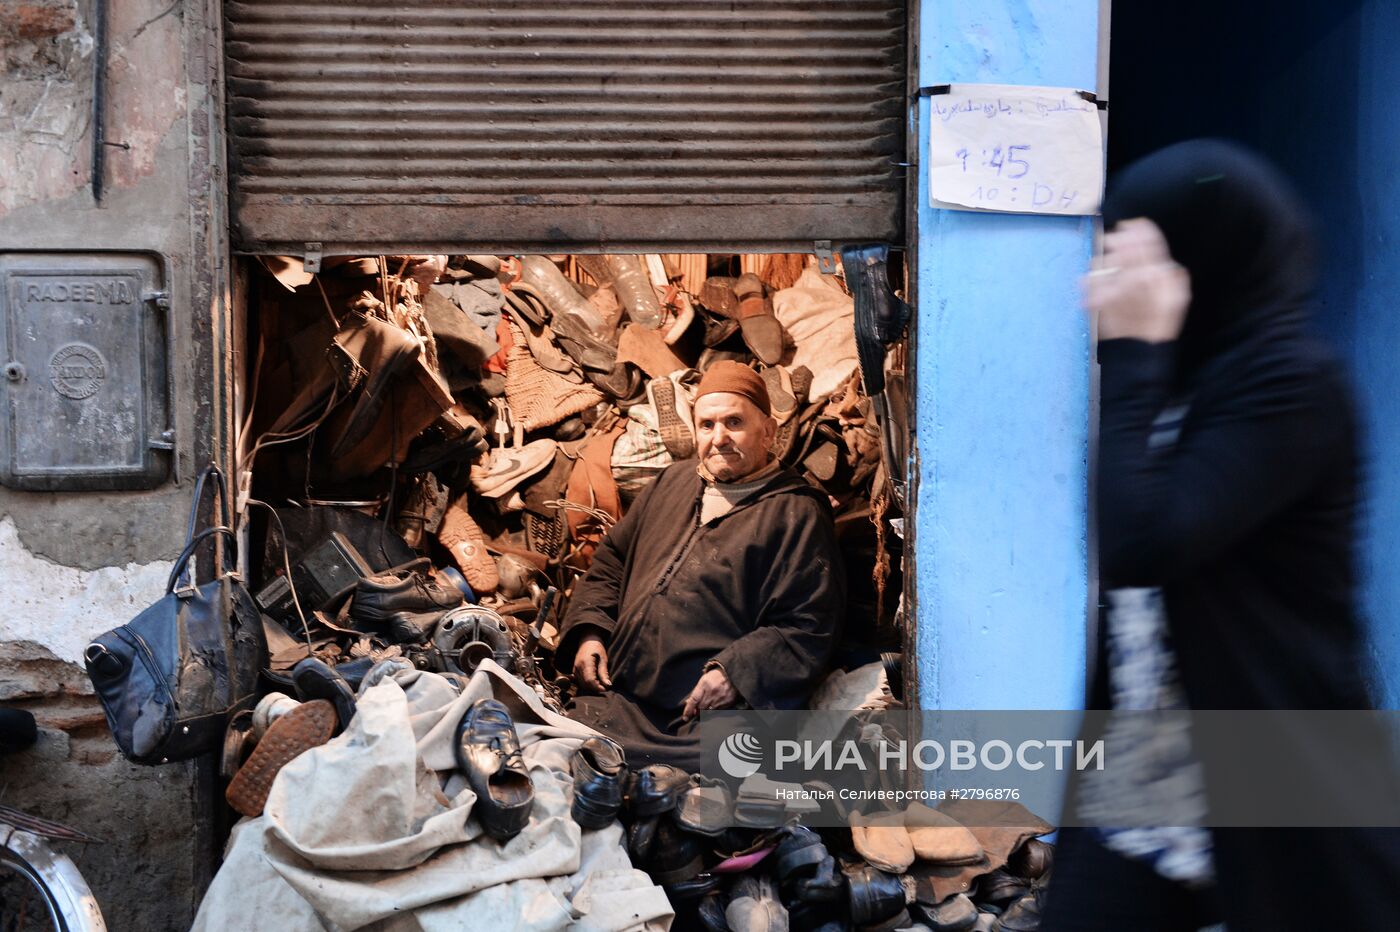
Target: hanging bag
<point>170,678</point>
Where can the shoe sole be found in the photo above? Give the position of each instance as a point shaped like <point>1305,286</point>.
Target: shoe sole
<point>307,726</point>
<point>675,434</point>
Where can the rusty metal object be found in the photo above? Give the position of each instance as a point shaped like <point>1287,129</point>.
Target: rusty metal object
<point>689,123</point>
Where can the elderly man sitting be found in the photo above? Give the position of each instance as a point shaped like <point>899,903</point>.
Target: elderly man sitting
<point>721,586</point>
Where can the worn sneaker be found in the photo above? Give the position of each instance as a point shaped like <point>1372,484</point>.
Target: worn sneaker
<point>307,726</point>
<point>465,540</point>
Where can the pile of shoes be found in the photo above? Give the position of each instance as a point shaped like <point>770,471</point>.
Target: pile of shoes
<point>446,439</point>
<point>919,868</point>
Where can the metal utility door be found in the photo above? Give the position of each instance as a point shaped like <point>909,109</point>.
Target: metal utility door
<point>623,125</point>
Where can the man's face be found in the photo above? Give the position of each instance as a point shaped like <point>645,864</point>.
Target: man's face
<point>732,435</point>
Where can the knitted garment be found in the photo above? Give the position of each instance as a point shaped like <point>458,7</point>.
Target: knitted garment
<point>540,398</point>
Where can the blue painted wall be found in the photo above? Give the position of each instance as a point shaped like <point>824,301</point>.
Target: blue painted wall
<point>1003,362</point>
<point>1314,87</point>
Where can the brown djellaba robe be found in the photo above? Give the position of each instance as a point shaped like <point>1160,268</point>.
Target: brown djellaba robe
<point>759,589</point>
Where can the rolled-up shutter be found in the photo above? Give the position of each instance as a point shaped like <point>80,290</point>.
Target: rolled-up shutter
<point>687,125</point>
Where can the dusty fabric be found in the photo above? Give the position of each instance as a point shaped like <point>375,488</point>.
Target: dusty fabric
<point>759,590</point>
<point>820,319</point>
<point>640,453</point>
<point>374,831</point>
<point>480,300</point>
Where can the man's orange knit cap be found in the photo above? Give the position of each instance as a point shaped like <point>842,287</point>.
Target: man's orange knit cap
<point>729,376</point>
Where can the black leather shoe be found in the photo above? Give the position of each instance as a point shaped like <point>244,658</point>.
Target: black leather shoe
<point>488,751</point>
<point>379,598</point>
<point>1032,860</point>
<point>711,912</point>
<point>676,856</point>
<point>955,914</point>
<point>805,869</point>
<point>409,628</point>
<point>314,679</point>
<point>701,884</point>
<point>875,895</point>
<point>655,789</point>
<point>1001,887</point>
<point>599,770</point>
<point>1022,915</point>
<point>661,849</point>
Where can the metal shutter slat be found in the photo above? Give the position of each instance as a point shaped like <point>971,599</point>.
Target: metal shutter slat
<point>671,125</point>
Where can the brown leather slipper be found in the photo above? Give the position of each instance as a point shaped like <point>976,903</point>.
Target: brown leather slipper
<point>940,839</point>
<point>762,333</point>
<point>882,839</point>
<point>307,726</point>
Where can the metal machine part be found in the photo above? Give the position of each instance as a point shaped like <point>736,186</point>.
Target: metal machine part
<point>470,634</point>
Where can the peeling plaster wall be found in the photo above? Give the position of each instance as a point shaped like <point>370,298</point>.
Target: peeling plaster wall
<point>75,564</point>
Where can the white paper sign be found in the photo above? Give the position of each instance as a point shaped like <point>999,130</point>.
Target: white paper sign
<point>1034,150</point>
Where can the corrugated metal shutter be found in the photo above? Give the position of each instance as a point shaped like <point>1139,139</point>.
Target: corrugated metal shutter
<point>631,124</point>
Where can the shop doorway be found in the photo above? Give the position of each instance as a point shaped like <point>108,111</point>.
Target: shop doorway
<point>443,416</point>
<point>698,142</point>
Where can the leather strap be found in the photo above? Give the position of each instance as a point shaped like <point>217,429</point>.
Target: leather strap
<point>178,571</point>
<point>591,484</point>
<point>753,306</point>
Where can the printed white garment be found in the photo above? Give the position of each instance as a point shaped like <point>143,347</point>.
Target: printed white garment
<point>1143,677</point>
<point>1157,759</point>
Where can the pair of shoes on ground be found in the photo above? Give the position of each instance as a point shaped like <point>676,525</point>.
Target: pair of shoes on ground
<point>892,841</point>
<point>602,784</point>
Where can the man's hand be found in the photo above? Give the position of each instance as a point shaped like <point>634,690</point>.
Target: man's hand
<point>591,665</point>
<point>713,691</point>
<point>1135,289</point>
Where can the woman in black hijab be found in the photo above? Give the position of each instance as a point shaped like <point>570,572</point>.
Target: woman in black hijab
<point>1227,503</point>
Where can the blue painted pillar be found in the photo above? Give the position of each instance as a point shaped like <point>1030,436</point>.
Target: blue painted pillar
<point>1376,331</point>
<point>1003,395</point>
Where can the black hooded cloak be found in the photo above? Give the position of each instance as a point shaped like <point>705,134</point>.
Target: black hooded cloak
<point>1248,523</point>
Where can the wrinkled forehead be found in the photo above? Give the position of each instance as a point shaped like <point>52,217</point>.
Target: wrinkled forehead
<point>717,405</point>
